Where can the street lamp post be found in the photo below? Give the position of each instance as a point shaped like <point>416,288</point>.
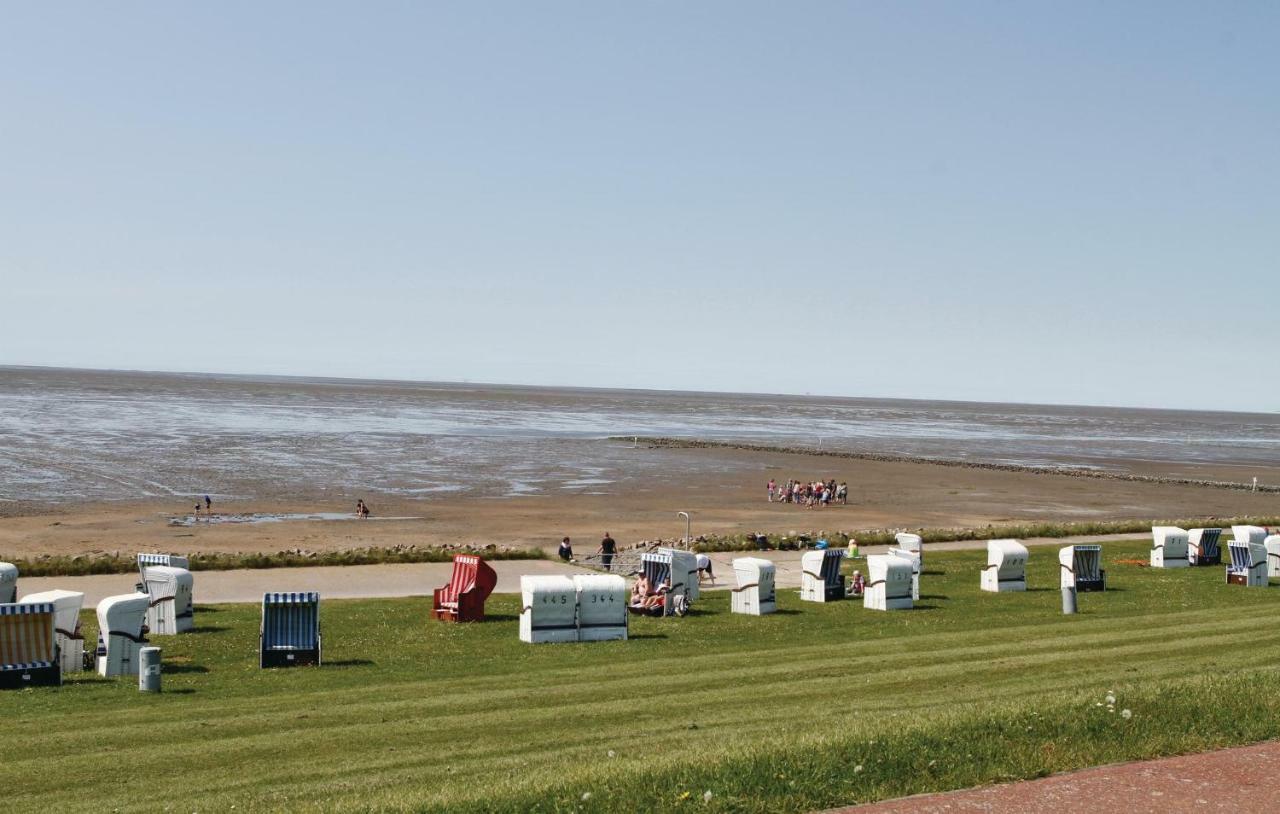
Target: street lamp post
<point>687,526</point>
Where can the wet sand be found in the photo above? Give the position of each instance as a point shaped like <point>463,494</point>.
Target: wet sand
<point>729,499</point>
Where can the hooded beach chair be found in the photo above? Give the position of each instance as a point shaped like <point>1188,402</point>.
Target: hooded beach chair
<point>8,582</point>
<point>28,645</point>
<point>1081,567</point>
<point>602,607</point>
<point>1202,547</point>
<point>911,542</point>
<point>820,577</point>
<point>685,565</point>
<point>1006,568</point>
<point>1248,565</point>
<point>171,610</point>
<point>665,581</point>
<point>755,594</point>
<point>914,558</point>
<point>66,625</point>
<point>888,583</point>
<point>121,633</point>
<point>548,610</point>
<point>1169,547</point>
<point>462,600</point>
<point>1248,534</point>
<point>1272,545</point>
<point>290,631</point>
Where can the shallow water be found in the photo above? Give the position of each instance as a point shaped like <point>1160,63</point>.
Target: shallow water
<point>79,435</point>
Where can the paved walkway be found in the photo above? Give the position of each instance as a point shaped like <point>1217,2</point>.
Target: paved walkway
<point>1245,780</point>
<point>418,579</point>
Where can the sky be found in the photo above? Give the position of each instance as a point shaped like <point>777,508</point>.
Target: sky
<point>995,201</point>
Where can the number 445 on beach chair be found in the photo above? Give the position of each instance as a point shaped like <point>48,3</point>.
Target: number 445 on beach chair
<point>290,633</point>
<point>462,600</point>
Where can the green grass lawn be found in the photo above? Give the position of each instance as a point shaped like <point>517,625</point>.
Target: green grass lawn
<point>814,706</point>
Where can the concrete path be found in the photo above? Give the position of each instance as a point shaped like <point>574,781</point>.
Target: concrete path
<point>1245,780</point>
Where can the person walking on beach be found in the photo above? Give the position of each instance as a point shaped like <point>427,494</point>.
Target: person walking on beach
<point>566,550</point>
<point>772,488</point>
<point>208,504</point>
<point>608,547</point>
<point>197,512</point>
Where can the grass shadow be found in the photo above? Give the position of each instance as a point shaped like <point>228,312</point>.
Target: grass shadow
<point>349,663</point>
<point>934,596</point>
<point>646,635</point>
<point>924,606</point>
<point>500,617</point>
<point>208,629</point>
<point>183,668</point>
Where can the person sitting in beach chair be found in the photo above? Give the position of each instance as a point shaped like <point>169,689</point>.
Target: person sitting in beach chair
<point>647,599</point>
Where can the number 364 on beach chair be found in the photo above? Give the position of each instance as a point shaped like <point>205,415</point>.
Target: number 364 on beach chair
<point>462,600</point>
<point>290,633</point>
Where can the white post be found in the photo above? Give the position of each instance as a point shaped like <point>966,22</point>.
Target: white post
<point>635,442</point>
<point>1255,483</point>
<point>687,526</point>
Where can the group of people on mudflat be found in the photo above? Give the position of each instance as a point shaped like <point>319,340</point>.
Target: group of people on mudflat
<point>809,495</point>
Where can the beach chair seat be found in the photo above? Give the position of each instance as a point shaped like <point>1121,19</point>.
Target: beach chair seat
<point>754,594</point>
<point>888,583</point>
<point>462,600</point>
<point>171,610</point>
<point>8,583</point>
<point>666,581</point>
<point>66,626</point>
<point>911,542</point>
<point>1248,565</point>
<point>121,633</point>
<point>1202,547</point>
<point>685,566</point>
<point>914,558</point>
<point>548,610</point>
<point>1081,567</point>
<point>1272,545</point>
<point>28,645</point>
<point>1169,545</point>
<point>1006,568</point>
<point>820,577</point>
<point>290,632</point>
<point>602,607</point>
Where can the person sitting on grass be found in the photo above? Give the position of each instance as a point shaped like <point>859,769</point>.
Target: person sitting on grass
<point>859,585</point>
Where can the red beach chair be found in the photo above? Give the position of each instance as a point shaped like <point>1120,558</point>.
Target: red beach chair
<point>462,600</point>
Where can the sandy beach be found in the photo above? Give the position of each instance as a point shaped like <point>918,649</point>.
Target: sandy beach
<point>730,499</point>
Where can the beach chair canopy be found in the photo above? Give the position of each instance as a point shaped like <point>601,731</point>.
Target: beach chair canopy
<point>889,583</point>
<point>1008,558</point>
<point>27,640</point>
<point>754,572</point>
<point>66,609</point>
<point>123,615</point>
<point>173,560</point>
<point>291,621</point>
<point>1249,534</point>
<point>910,542</point>
<point>1202,546</point>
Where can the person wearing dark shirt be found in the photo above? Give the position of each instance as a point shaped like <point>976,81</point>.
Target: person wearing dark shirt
<point>566,550</point>
<point>608,547</point>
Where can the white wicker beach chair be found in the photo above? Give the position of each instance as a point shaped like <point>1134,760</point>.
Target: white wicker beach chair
<point>172,609</point>
<point>8,583</point>
<point>914,558</point>
<point>755,595</point>
<point>120,633</point>
<point>1248,534</point>
<point>1081,567</point>
<point>911,542</point>
<point>1169,547</point>
<point>1006,568</point>
<point>685,565</point>
<point>820,578</point>
<point>602,607</point>
<point>548,609</point>
<point>888,583</point>
<point>1272,545</point>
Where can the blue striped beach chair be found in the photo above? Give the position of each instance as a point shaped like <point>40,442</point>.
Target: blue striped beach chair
<point>1202,546</point>
<point>290,633</point>
<point>28,645</point>
<point>1248,565</point>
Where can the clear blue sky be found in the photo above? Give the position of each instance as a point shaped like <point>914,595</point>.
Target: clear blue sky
<point>1070,202</point>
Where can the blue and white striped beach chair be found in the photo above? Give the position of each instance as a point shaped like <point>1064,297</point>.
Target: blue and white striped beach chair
<point>1202,546</point>
<point>290,633</point>
<point>28,646</point>
<point>1248,565</point>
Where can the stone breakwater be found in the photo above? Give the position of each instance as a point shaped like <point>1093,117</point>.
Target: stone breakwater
<point>1072,472</point>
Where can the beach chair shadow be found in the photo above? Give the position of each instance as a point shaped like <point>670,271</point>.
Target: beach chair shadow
<point>178,669</point>
<point>209,629</point>
<point>350,663</point>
